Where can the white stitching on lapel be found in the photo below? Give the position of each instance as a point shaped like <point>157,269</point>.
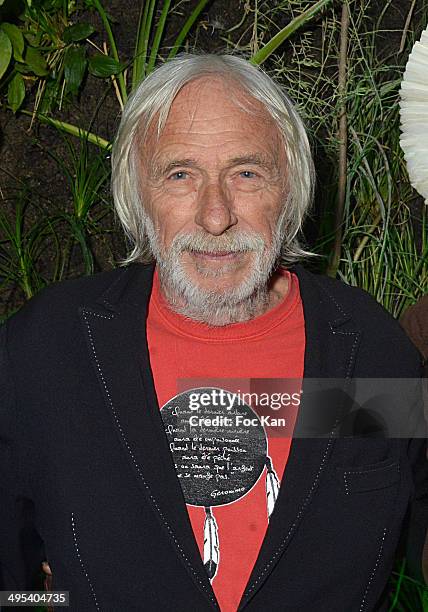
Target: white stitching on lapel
<point>346,483</point>
<point>363,603</point>
<point>131,454</point>
<point>82,565</point>
<point>354,346</point>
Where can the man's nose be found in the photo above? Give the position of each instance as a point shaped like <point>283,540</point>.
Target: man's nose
<point>215,209</point>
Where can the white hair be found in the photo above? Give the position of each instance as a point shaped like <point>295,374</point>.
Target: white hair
<point>152,100</point>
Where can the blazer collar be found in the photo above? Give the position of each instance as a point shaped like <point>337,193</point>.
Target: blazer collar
<point>115,330</point>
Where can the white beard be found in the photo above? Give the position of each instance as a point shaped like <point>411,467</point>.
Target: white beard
<point>216,306</point>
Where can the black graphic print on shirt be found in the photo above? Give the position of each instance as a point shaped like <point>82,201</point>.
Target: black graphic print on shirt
<point>220,451</point>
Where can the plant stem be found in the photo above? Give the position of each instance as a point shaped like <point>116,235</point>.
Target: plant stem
<point>263,53</point>
<point>110,36</point>
<point>146,33</point>
<point>366,238</point>
<point>343,141</point>
<point>138,68</point>
<point>406,27</point>
<point>158,36</point>
<point>185,29</point>
<point>74,130</point>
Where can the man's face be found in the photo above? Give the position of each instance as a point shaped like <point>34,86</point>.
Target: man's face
<point>213,189</point>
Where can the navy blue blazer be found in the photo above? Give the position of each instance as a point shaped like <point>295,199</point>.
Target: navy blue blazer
<point>87,476</point>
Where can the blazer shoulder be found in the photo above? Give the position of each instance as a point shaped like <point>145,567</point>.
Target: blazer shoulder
<point>352,301</point>
<point>57,305</point>
<point>383,339</point>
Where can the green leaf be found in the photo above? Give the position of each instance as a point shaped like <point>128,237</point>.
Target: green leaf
<point>36,62</point>
<point>76,32</point>
<point>74,68</point>
<point>158,35</point>
<point>74,130</point>
<point>104,66</point>
<point>5,52</point>
<point>187,26</point>
<point>16,92</point>
<point>30,38</point>
<point>23,68</point>
<point>51,95</point>
<point>16,38</point>
<point>273,44</point>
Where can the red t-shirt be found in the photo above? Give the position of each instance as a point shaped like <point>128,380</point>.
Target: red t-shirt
<point>248,356</point>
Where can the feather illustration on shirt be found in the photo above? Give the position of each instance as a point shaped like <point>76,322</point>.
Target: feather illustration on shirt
<point>211,545</point>
<point>272,486</point>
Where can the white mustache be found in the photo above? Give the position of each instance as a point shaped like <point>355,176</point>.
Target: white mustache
<point>203,243</point>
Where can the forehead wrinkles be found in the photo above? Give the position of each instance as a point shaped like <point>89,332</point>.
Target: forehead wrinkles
<point>220,100</point>
<point>187,111</point>
<point>189,104</point>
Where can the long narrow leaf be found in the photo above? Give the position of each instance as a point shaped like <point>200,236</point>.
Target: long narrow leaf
<point>140,59</point>
<point>5,52</point>
<point>263,53</point>
<point>147,30</point>
<point>74,130</point>
<point>187,26</point>
<point>158,36</point>
<point>113,46</point>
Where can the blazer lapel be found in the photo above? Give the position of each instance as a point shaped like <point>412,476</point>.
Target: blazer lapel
<point>331,345</point>
<point>115,331</point>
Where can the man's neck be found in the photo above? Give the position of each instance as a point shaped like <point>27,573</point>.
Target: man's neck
<point>220,314</point>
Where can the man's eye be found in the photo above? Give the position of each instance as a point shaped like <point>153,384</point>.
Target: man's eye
<point>177,176</point>
<point>248,174</point>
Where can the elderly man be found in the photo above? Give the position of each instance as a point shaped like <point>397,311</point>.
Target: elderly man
<point>132,508</point>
